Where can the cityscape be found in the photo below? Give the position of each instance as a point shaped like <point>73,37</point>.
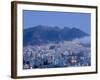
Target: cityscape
<point>52,55</point>
<point>54,39</point>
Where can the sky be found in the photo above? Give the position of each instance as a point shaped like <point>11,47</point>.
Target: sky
<point>33,18</point>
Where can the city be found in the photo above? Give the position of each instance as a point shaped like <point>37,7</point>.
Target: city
<point>53,55</point>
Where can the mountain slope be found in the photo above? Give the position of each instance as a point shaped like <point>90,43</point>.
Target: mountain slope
<point>45,34</point>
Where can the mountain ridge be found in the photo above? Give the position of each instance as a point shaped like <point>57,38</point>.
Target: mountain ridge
<point>45,34</point>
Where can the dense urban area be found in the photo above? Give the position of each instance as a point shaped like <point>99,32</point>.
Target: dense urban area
<point>52,55</point>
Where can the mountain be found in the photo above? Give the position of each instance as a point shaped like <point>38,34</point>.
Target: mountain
<point>44,34</point>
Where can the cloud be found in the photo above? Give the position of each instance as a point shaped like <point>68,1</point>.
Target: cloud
<point>83,40</point>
